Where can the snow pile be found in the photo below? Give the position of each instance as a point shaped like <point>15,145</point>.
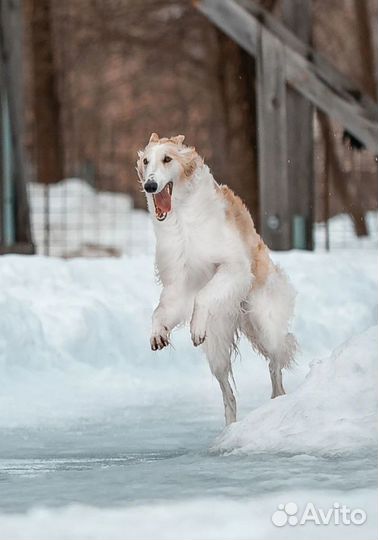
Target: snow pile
<point>85,222</point>
<point>342,233</point>
<point>74,339</point>
<point>333,411</point>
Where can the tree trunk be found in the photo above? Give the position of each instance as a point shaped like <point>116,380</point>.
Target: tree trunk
<point>237,154</point>
<point>48,146</point>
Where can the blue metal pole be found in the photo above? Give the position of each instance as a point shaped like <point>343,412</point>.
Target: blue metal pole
<point>7,173</point>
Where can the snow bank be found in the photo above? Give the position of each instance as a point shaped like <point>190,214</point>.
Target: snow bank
<point>333,411</point>
<point>74,339</point>
<point>86,222</point>
<point>342,233</point>
<point>200,519</point>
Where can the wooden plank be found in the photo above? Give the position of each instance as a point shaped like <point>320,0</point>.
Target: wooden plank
<point>274,193</point>
<point>325,69</point>
<point>296,14</point>
<point>21,247</point>
<point>226,14</point>
<point>320,83</point>
<point>350,114</point>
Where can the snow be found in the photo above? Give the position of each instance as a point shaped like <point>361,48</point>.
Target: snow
<point>218,519</point>
<point>321,415</point>
<point>102,438</point>
<point>86,222</point>
<point>341,233</point>
<point>76,333</point>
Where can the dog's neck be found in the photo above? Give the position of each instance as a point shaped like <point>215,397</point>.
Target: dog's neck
<point>197,209</point>
<point>197,196</point>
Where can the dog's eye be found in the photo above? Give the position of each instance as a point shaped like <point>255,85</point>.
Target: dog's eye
<point>167,159</point>
<point>145,161</point>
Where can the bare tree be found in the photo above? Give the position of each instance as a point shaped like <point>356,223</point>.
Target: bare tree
<point>45,101</point>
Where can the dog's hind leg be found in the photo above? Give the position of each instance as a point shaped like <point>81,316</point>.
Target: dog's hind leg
<point>276,378</point>
<point>282,357</point>
<point>218,349</point>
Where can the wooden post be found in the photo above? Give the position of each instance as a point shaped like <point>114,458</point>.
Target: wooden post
<point>275,210</point>
<point>296,15</point>
<point>305,69</point>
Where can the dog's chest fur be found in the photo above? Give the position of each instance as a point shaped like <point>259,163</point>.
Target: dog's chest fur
<point>194,240</point>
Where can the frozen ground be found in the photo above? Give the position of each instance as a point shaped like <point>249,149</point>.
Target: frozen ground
<point>101,438</point>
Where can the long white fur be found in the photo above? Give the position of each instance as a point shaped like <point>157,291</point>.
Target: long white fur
<point>205,270</point>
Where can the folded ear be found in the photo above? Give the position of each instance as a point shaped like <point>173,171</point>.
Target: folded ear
<point>179,139</point>
<point>154,137</point>
<point>189,159</point>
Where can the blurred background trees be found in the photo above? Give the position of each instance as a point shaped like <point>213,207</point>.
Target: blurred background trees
<point>114,71</point>
<point>100,75</point>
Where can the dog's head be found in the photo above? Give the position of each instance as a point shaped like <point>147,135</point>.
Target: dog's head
<point>164,166</point>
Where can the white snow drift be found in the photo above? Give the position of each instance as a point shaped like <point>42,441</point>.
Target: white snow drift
<point>74,338</point>
<point>333,411</point>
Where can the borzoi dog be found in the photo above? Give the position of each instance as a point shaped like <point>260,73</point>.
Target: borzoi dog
<point>214,268</point>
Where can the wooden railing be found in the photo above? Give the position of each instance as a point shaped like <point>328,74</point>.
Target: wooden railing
<point>283,63</point>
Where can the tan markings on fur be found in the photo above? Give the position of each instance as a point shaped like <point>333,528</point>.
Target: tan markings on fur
<point>154,138</point>
<point>238,214</point>
<point>139,165</point>
<point>189,160</point>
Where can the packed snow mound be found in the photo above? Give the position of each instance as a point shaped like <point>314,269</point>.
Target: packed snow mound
<point>333,411</point>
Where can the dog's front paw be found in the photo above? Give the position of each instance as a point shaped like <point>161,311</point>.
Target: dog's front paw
<point>159,338</point>
<point>197,331</point>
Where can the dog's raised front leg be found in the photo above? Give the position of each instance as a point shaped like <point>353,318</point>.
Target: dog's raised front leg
<point>167,315</point>
<point>225,291</point>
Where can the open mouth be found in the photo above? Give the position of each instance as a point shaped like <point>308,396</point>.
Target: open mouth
<point>162,202</point>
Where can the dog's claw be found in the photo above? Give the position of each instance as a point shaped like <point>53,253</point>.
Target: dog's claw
<point>198,339</point>
<point>160,340</point>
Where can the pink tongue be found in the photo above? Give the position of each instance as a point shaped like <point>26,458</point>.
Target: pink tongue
<point>163,200</point>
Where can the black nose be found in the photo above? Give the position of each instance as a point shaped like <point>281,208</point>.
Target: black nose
<point>150,186</point>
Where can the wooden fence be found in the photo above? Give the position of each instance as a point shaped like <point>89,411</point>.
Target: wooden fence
<point>290,74</point>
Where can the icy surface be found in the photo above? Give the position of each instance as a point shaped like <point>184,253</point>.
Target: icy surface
<point>94,424</point>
